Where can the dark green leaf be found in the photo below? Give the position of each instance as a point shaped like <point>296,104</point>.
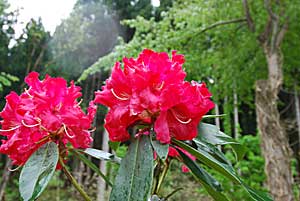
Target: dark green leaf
<point>102,155</point>
<point>213,135</point>
<point>212,186</point>
<point>225,169</point>
<point>162,150</point>
<point>134,179</point>
<point>257,195</point>
<point>210,161</point>
<point>91,165</point>
<point>38,171</point>
<point>212,150</point>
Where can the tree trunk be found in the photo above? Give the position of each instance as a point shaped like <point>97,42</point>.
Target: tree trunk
<point>101,182</point>
<point>274,140</point>
<point>5,177</point>
<point>297,108</point>
<point>217,119</point>
<point>91,96</point>
<point>236,115</point>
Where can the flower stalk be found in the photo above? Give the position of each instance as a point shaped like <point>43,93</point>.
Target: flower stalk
<point>162,176</point>
<point>73,181</point>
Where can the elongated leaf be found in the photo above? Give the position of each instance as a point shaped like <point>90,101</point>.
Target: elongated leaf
<point>210,161</point>
<point>102,155</point>
<point>225,169</point>
<point>212,150</point>
<point>162,150</point>
<point>134,179</point>
<point>38,171</point>
<point>213,135</point>
<point>212,186</point>
<point>213,116</point>
<point>257,195</point>
<point>91,165</point>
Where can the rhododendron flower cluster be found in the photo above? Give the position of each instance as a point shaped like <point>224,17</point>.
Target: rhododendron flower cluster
<point>151,90</point>
<point>47,111</point>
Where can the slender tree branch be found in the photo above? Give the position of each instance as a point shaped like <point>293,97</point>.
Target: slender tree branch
<point>263,37</point>
<point>281,34</point>
<point>38,60</point>
<point>248,16</point>
<point>223,23</point>
<point>270,11</point>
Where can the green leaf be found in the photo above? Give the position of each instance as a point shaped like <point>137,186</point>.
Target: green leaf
<point>212,150</point>
<point>213,116</point>
<point>212,186</point>
<point>162,150</point>
<point>114,145</point>
<point>102,155</point>
<point>257,195</point>
<point>210,161</point>
<point>5,81</point>
<point>213,135</point>
<point>38,171</point>
<point>223,168</point>
<point>134,179</point>
<point>91,165</point>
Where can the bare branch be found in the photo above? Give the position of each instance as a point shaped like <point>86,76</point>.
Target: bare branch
<point>38,60</point>
<point>263,37</point>
<point>281,34</point>
<point>223,23</point>
<point>270,11</point>
<point>248,16</point>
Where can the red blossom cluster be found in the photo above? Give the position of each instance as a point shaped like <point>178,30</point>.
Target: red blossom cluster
<point>47,111</point>
<point>151,90</point>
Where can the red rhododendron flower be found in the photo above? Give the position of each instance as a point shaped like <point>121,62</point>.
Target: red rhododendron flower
<point>47,111</point>
<point>151,90</point>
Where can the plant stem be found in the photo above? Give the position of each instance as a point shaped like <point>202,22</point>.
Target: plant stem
<point>162,176</point>
<point>172,193</point>
<point>73,180</point>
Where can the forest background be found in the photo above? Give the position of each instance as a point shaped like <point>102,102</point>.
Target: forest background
<point>245,51</point>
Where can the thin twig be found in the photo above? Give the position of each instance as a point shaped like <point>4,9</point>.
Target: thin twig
<point>73,181</point>
<point>248,16</point>
<point>223,23</point>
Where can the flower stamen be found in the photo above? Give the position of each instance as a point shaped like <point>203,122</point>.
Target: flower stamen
<point>11,129</point>
<point>161,85</point>
<point>181,121</point>
<point>43,139</point>
<point>65,129</point>
<point>118,97</point>
<point>27,92</point>
<point>15,169</point>
<point>58,107</point>
<point>78,104</point>
<point>92,130</point>
<point>29,126</point>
